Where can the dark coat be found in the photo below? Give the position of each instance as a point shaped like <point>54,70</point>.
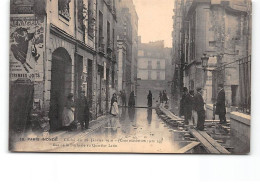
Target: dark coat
<point>131,102</point>
<point>182,105</point>
<point>150,100</point>
<point>220,106</point>
<point>188,106</point>
<point>83,109</point>
<point>198,103</point>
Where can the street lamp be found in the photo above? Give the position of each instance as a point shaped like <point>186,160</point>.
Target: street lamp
<point>204,61</point>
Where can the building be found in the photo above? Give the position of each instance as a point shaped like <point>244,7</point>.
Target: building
<point>220,31</point>
<point>127,40</point>
<point>61,47</point>
<point>106,54</point>
<point>151,71</point>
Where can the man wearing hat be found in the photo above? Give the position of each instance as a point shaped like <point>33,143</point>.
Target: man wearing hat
<point>220,105</point>
<point>83,111</point>
<point>199,108</point>
<point>186,106</point>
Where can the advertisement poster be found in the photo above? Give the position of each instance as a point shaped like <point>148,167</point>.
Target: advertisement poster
<point>26,47</point>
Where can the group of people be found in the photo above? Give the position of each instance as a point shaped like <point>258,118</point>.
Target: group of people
<point>81,110</point>
<point>122,96</point>
<point>192,107</point>
<point>114,102</point>
<point>163,97</point>
<point>82,113</point>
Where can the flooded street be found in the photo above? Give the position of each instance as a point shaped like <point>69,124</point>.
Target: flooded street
<point>142,126</point>
<point>137,130</point>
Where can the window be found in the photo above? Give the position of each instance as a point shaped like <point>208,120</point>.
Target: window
<point>158,65</point>
<point>64,9</point>
<point>80,14</point>
<point>149,64</point>
<point>113,41</point>
<point>108,34</point>
<point>193,37</point>
<point>100,31</point>
<point>149,75</point>
<point>91,19</point>
<point>158,75</point>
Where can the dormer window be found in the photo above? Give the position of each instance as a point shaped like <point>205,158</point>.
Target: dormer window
<point>64,9</point>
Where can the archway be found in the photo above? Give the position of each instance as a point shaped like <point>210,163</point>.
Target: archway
<point>61,77</point>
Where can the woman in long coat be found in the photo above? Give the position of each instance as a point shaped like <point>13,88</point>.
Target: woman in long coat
<point>150,99</point>
<point>68,113</point>
<point>131,102</point>
<point>114,106</point>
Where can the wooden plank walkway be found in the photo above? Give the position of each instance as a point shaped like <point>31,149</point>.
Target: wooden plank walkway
<point>208,142</point>
<point>188,148</point>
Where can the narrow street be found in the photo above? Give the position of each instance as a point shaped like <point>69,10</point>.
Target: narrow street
<point>114,134</point>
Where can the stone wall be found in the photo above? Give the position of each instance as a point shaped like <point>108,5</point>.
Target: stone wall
<point>240,132</point>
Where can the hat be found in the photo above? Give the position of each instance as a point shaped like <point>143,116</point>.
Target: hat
<point>220,85</point>
<point>199,89</point>
<point>185,89</point>
<point>70,95</point>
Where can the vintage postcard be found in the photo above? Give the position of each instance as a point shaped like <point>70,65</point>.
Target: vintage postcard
<point>130,76</point>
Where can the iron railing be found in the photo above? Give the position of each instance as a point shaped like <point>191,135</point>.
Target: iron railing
<point>240,93</point>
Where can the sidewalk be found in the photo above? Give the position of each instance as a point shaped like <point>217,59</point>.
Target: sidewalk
<point>93,125</point>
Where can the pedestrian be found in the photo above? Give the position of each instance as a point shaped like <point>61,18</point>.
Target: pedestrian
<point>68,114</point>
<point>83,111</point>
<point>163,97</point>
<point>160,98</point>
<point>187,106</point>
<point>123,97</point>
<point>199,105</point>
<point>220,105</point>
<point>113,99</point>
<point>150,99</point>
<point>131,102</point>
<point>166,97</point>
<point>114,106</point>
<point>194,116</point>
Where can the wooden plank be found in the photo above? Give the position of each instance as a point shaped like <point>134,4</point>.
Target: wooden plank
<point>188,147</point>
<point>204,141</point>
<point>214,143</point>
<point>217,121</point>
<point>170,114</point>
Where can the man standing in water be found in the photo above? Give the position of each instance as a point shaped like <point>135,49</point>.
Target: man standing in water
<point>83,111</point>
<point>220,106</point>
<point>150,99</point>
<point>131,102</point>
<point>199,108</point>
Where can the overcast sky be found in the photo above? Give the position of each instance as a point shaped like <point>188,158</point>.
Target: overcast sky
<point>155,20</point>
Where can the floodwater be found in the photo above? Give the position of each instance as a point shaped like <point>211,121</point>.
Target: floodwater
<point>137,130</point>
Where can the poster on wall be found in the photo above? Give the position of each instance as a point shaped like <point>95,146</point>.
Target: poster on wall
<point>26,47</point>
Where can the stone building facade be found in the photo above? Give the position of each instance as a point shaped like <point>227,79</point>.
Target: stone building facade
<point>71,49</point>
<point>152,61</point>
<point>219,29</point>
<point>127,28</point>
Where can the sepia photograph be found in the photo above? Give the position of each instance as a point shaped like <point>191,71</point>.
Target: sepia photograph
<point>130,76</point>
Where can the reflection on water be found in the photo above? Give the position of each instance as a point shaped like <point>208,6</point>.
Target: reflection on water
<point>131,113</point>
<point>135,130</point>
<point>137,124</point>
<point>149,115</point>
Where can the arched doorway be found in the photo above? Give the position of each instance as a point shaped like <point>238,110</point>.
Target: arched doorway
<point>61,77</point>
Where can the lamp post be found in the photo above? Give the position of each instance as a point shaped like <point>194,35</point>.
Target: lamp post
<point>204,61</point>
